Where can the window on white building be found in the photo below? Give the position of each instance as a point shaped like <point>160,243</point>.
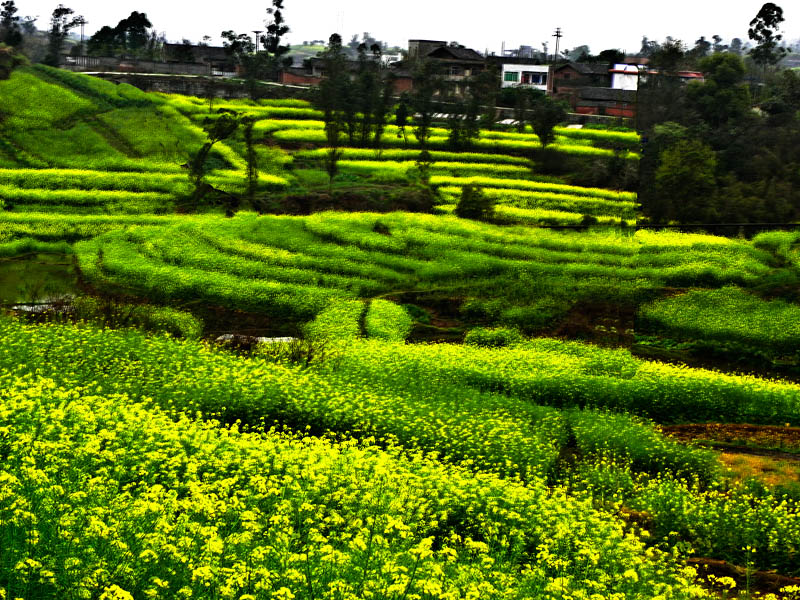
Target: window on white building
<point>511,76</point>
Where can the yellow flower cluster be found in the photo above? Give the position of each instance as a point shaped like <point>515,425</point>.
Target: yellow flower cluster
<point>103,497</point>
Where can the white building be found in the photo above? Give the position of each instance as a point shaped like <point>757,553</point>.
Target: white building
<point>626,77</point>
<point>529,76</point>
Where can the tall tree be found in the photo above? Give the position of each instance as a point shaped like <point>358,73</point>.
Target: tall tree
<point>401,118</point>
<point>367,91</point>
<point>104,42</point>
<point>426,83</point>
<point>133,31</point>
<point>686,178</point>
<point>764,31</point>
<point>702,48</point>
<point>383,109</point>
<point>546,113</point>
<point>10,29</point>
<point>218,129</point>
<point>276,29</point>
<point>332,98</point>
<point>61,23</point>
<point>131,35</point>
<point>241,48</point>
<point>723,98</point>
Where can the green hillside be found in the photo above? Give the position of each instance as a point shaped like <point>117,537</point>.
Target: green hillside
<point>78,128</point>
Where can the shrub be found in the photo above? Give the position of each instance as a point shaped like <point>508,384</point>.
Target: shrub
<point>149,318</point>
<point>474,204</point>
<point>493,338</point>
<point>387,321</point>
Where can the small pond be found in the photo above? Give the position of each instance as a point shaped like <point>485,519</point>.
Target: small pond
<point>37,278</point>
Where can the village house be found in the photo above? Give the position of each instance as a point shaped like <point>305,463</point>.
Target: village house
<point>455,62</point>
<point>521,72</point>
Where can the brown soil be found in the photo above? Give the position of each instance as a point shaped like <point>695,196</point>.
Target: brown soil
<point>357,199</point>
<point>684,357</point>
<point>763,437</point>
<point>601,323</point>
<point>760,581</point>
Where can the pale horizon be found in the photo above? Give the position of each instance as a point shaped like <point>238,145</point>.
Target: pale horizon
<point>467,21</point>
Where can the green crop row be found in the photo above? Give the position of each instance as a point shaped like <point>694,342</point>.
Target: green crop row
<point>30,103</point>
<point>272,111</point>
<point>784,244</point>
<point>372,387</point>
<point>727,314</point>
<point>345,252</point>
<point>551,201</point>
<point>498,146</point>
<point>104,199</point>
<point>539,216</point>
<point>538,186</point>
<point>740,524</point>
<point>631,138</point>
<point>570,374</point>
<point>84,179</point>
<point>120,265</point>
<point>104,94</point>
<point>46,227</point>
<point>28,245</point>
<point>451,168</point>
<point>387,321</point>
<point>413,155</point>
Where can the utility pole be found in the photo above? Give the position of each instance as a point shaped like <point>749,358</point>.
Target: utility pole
<point>558,35</point>
<point>82,22</point>
<point>258,33</point>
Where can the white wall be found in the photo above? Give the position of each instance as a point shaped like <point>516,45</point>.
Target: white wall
<point>537,70</point>
<point>629,80</point>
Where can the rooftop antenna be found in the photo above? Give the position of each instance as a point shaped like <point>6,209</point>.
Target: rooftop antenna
<point>558,35</point>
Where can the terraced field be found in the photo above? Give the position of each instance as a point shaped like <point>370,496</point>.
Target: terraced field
<point>81,129</point>
<point>467,409</point>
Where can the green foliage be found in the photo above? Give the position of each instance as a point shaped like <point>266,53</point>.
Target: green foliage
<point>9,60</point>
<point>387,321</point>
<point>474,204</point>
<point>339,322</point>
<point>723,99</point>
<point>492,338</point>
<point>726,314</point>
<point>142,316</point>
<point>294,266</point>
<point>546,113</point>
<point>61,23</point>
<point>686,181</point>
<point>764,31</point>
<point>718,521</point>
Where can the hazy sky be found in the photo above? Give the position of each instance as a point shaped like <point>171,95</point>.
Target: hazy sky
<point>479,24</point>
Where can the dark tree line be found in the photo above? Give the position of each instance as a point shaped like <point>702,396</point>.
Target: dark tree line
<point>131,36</point>
<point>724,150</point>
<point>10,24</point>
